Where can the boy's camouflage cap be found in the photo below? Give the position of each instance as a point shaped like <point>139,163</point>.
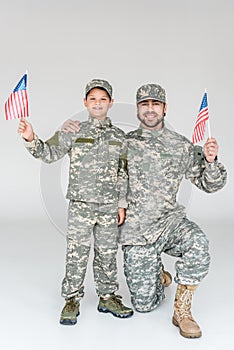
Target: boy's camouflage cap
<point>96,83</point>
<point>151,92</point>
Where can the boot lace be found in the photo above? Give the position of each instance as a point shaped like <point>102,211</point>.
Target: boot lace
<point>184,305</point>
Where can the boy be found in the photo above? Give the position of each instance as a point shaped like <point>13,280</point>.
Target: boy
<point>96,190</point>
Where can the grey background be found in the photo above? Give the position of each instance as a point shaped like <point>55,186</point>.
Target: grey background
<point>186,46</point>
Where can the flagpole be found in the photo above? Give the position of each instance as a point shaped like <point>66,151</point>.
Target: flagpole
<point>208,122</point>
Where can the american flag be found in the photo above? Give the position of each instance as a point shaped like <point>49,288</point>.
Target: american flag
<point>199,129</point>
<point>17,104</point>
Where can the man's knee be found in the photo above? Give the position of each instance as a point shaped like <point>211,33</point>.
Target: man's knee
<point>145,304</point>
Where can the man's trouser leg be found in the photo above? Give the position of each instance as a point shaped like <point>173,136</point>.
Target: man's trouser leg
<point>192,246</point>
<point>143,268</point>
<point>142,264</point>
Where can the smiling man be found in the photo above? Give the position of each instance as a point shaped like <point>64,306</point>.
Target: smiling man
<point>158,159</point>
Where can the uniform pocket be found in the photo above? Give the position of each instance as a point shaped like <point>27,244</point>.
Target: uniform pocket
<point>114,149</point>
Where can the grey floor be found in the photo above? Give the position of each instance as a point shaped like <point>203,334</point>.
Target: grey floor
<point>32,266</point>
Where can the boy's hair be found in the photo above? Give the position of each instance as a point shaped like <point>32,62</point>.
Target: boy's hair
<point>100,84</point>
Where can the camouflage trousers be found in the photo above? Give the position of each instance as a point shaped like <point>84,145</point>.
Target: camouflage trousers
<point>85,220</point>
<point>143,264</point>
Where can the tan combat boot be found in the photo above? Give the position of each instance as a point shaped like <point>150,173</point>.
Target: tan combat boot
<point>182,317</point>
<point>166,278</point>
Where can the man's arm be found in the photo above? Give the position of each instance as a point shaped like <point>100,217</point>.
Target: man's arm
<point>71,126</point>
<point>205,171</point>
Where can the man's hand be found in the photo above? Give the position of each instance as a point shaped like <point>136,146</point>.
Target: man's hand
<point>25,129</point>
<point>210,149</point>
<point>71,126</point>
<point>121,216</point>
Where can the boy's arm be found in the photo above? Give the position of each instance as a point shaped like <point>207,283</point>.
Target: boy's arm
<point>51,150</point>
<point>123,177</point>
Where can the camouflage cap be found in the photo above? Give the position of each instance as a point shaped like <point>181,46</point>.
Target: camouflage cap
<point>151,92</point>
<point>99,83</point>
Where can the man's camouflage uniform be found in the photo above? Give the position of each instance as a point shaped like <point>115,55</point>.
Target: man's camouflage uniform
<point>97,187</point>
<point>155,222</point>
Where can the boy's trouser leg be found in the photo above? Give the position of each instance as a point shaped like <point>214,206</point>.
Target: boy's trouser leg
<point>81,220</point>
<point>143,268</point>
<point>105,250</point>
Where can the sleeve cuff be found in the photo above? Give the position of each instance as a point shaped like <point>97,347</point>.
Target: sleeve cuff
<point>32,143</point>
<point>122,203</point>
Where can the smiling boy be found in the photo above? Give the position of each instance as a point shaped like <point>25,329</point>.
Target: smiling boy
<point>96,192</point>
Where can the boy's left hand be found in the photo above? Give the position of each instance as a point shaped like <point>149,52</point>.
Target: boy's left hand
<point>121,215</point>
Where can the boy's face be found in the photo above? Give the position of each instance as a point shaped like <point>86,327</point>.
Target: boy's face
<point>98,103</point>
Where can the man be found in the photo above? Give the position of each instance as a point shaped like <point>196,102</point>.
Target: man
<point>158,159</point>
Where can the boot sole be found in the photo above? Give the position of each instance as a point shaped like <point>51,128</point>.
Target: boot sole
<point>68,322</point>
<point>186,335</point>
<point>104,310</point>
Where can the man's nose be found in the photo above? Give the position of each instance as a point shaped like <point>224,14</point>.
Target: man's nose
<point>150,107</point>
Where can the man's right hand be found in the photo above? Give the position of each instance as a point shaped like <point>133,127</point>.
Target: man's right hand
<point>25,129</point>
<point>71,126</point>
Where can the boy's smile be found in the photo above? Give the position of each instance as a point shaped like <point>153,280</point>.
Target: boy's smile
<point>98,103</point>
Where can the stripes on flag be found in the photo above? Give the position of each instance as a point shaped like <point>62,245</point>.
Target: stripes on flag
<point>17,104</point>
<point>203,116</point>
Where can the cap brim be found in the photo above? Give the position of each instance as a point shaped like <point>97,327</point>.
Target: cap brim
<point>150,98</point>
<point>98,86</point>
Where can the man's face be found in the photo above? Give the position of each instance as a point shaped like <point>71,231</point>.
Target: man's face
<point>151,114</point>
<point>98,103</point>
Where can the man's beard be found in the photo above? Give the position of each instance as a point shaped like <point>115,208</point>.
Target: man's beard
<point>158,120</point>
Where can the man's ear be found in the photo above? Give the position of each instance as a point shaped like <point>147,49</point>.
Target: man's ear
<point>165,110</point>
<point>85,102</point>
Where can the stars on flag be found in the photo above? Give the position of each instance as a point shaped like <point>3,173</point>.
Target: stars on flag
<point>16,105</point>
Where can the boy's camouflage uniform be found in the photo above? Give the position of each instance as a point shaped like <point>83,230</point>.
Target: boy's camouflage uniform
<point>155,222</point>
<point>97,187</point>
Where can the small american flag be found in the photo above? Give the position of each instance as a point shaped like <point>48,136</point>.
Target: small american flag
<point>203,116</point>
<point>17,104</point>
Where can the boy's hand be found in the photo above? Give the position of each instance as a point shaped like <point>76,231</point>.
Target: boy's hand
<point>121,216</point>
<point>25,130</point>
<point>210,149</point>
<point>71,126</point>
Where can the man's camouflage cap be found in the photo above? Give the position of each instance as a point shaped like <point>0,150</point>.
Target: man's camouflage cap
<point>99,83</point>
<point>151,92</point>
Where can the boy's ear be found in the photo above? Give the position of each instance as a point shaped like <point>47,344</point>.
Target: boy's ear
<point>111,102</point>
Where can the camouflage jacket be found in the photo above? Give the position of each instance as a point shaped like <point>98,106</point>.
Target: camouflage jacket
<point>157,163</point>
<point>97,161</point>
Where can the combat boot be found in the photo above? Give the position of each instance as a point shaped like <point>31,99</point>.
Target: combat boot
<point>182,317</point>
<point>70,312</point>
<point>114,305</point>
<point>166,278</point>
